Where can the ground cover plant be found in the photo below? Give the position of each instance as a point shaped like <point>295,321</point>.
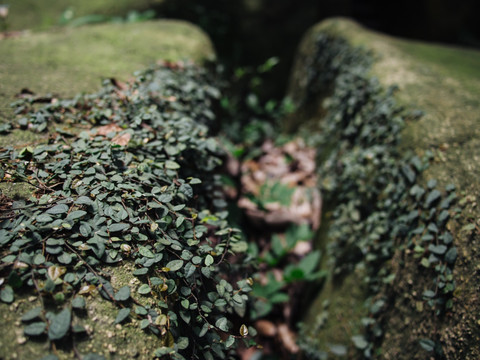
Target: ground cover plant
<point>377,203</point>
<point>130,180</point>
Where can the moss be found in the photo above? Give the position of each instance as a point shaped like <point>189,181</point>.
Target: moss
<point>65,62</point>
<point>336,313</point>
<point>42,14</point>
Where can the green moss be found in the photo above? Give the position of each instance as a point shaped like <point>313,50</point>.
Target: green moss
<point>42,14</point>
<point>336,314</point>
<point>65,62</point>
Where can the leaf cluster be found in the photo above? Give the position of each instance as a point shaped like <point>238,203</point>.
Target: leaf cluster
<point>133,180</point>
<point>373,187</point>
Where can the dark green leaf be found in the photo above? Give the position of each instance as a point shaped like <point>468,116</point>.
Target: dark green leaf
<point>222,324</point>
<point>175,265</point>
<point>35,329</point>
<point>78,303</point>
<point>122,315</point>
<point>59,325</point>
<point>360,342</point>
<point>58,209</point>
<point>32,314</point>
<point>77,214</point>
<point>141,271</point>
<point>432,197</point>
<point>6,294</point>
<point>123,294</point>
<point>427,344</point>
<point>451,255</point>
<point>144,289</point>
<point>118,227</point>
<point>146,252</point>
<point>83,200</point>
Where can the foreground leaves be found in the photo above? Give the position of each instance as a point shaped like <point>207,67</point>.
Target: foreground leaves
<point>137,183</point>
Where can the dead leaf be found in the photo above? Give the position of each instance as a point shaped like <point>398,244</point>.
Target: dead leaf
<point>107,129</point>
<point>122,139</point>
<point>287,338</point>
<point>266,328</point>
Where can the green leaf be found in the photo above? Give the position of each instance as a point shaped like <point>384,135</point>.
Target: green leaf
<point>359,342</point>
<point>59,325</point>
<point>122,315</point>
<point>84,200</point>
<point>44,218</point>
<point>78,303</point>
<point>144,289</point>
<point>141,271</point>
<point>310,262</point>
<point>35,329</point>
<point>32,314</point>
<point>175,265</point>
<point>230,341</point>
<point>58,209</point>
<point>123,293</point>
<point>427,344</point>
<point>39,259</point>
<point>6,294</point>
<point>432,197</point>
<point>77,214</point>
<point>144,324</point>
<point>209,260</point>
<point>118,227</point>
<point>182,343</point>
<point>222,324</point>
<point>451,255</point>
<point>172,165</point>
<point>179,221</point>
<point>437,249</point>
<point>85,230</point>
<point>144,251</point>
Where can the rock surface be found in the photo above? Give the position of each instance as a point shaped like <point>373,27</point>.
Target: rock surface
<point>444,83</point>
<point>64,62</point>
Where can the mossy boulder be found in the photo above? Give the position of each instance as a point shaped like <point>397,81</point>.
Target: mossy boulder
<point>65,62</point>
<point>443,83</point>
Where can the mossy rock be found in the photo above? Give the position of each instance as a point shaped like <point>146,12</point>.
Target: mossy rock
<point>444,83</point>
<point>67,61</point>
<point>43,14</point>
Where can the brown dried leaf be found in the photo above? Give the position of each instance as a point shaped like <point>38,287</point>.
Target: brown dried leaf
<point>266,328</point>
<point>287,338</point>
<point>107,129</point>
<point>122,139</point>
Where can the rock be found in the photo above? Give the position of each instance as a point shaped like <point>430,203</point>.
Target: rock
<point>65,62</point>
<point>444,83</point>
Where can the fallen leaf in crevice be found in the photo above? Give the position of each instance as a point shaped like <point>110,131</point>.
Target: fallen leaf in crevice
<point>266,328</point>
<point>107,129</point>
<point>288,338</point>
